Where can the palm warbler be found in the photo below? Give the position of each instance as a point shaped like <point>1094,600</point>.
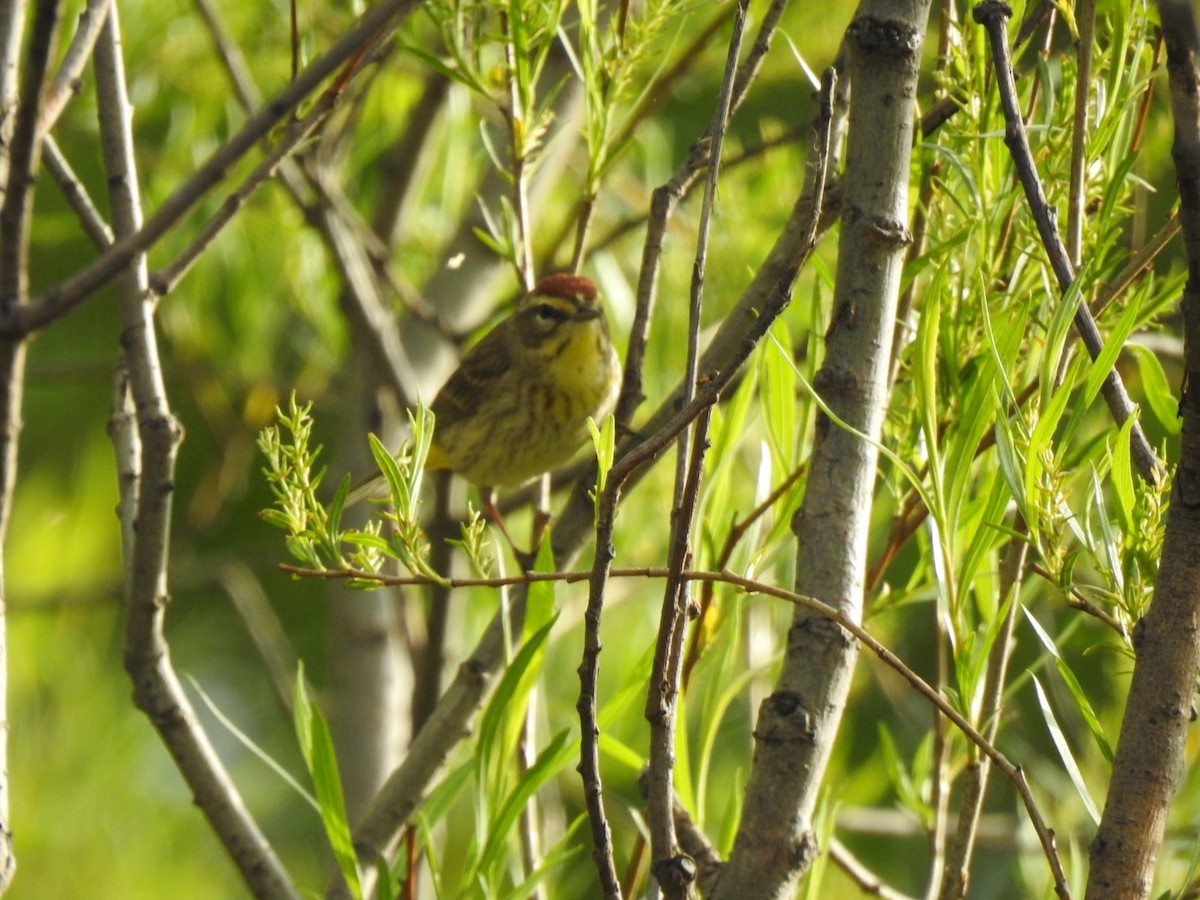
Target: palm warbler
<point>518,404</point>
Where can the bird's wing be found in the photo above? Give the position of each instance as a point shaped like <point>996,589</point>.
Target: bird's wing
<point>478,372</point>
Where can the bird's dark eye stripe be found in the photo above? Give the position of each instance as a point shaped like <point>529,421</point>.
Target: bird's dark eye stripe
<point>550,311</point>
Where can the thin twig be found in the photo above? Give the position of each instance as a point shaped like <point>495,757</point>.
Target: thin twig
<point>675,873</point>
<point>992,14</point>
<point>66,82</point>
<point>20,149</point>
<point>516,117</point>
<point>589,672</point>
<point>1076,600</point>
<point>154,435</point>
<point>76,194</point>
<point>334,219</point>
<point>580,216</point>
<point>24,156</point>
<point>747,154</point>
<point>662,205</point>
<point>867,881</point>
<point>165,279</point>
<point>1012,772</point>
<point>1139,264</point>
<point>958,859</point>
<point>231,57</point>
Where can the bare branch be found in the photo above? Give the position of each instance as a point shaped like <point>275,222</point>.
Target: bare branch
<point>20,149</point>
<point>662,205</point>
<point>1159,711</point>
<point>76,194</point>
<point>676,872</point>
<point>992,14</point>
<point>66,82</point>
<point>797,723</point>
<point>148,438</point>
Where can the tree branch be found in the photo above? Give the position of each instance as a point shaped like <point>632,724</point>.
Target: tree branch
<point>992,14</point>
<point>797,723</point>
<point>20,150</point>
<point>147,437</point>
<point>1159,710</point>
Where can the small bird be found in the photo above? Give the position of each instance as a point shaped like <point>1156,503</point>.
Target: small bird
<point>518,404</point>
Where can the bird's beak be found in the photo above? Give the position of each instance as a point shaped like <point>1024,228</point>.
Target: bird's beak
<point>587,312</point>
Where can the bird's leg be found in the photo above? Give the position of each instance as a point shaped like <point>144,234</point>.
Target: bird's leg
<point>524,559</point>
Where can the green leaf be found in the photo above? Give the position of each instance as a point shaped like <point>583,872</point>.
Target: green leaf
<point>338,504</point>
<point>925,354</point>
<point>552,760</point>
<point>1064,752</point>
<point>1056,335</point>
<point>396,482</point>
<point>541,600</point>
<point>316,746</point>
<point>777,392</point>
<point>1073,686</point>
<point>1012,465</point>
<point>1122,477</point>
<point>504,717</point>
<point>1107,358</point>
<point>604,442</point>
<point>1159,396</point>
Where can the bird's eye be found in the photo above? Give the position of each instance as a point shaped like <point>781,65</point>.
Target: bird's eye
<point>549,313</point>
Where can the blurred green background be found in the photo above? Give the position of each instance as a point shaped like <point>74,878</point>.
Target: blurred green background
<point>98,809</point>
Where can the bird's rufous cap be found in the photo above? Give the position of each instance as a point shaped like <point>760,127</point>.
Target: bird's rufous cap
<point>566,286</point>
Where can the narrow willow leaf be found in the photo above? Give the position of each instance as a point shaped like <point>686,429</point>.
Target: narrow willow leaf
<point>540,602</point>
<point>925,379</point>
<point>1073,685</point>
<point>1064,752</point>
<point>1011,467</point>
<point>1122,477</point>
<point>250,745</point>
<point>396,482</point>
<point>505,714</point>
<point>1042,438</point>
<point>777,393</point>
<point>1159,396</point>
<point>1107,358</point>
<point>1056,336</point>
<point>316,746</point>
<point>556,756</point>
